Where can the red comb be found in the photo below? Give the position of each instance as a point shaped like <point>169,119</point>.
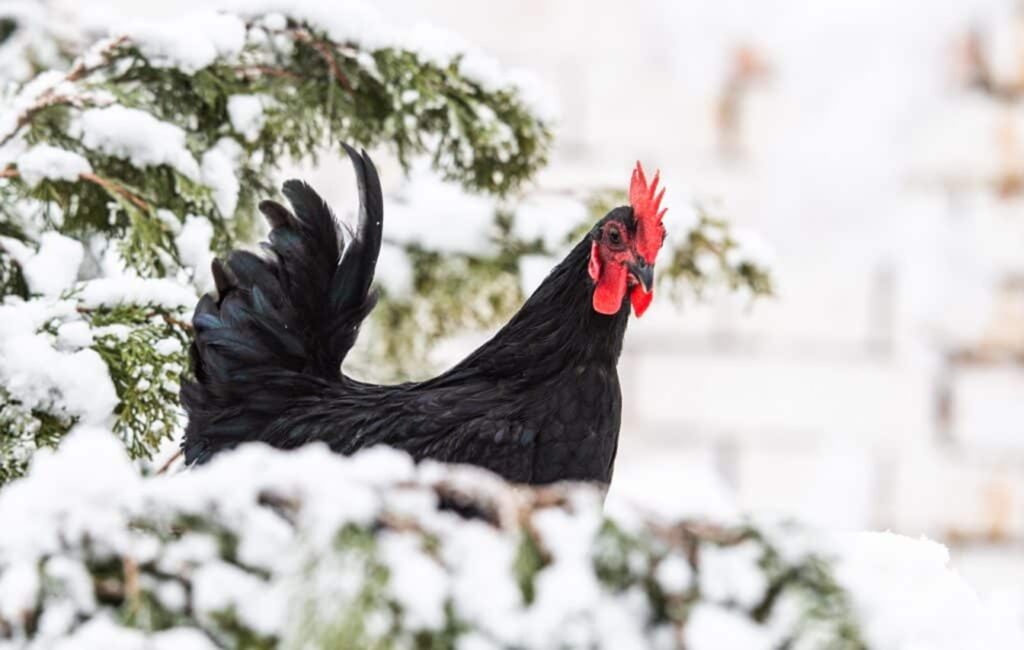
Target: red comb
<point>646,202</point>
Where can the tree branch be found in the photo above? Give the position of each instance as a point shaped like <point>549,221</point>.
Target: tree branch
<point>327,53</point>
<point>170,461</point>
<point>111,186</point>
<point>50,98</point>
<point>105,183</point>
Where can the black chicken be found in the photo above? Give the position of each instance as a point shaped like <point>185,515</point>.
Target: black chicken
<point>538,403</point>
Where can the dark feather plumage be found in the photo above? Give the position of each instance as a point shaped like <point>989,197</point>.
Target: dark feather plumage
<point>538,403</point>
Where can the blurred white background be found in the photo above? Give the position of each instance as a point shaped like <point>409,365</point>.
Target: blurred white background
<point>879,146</point>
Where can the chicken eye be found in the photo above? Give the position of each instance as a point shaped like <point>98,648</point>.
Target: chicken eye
<point>614,236</point>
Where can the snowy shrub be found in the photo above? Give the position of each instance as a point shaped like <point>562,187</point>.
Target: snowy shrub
<point>123,174</point>
<point>267,549</point>
<point>125,169</point>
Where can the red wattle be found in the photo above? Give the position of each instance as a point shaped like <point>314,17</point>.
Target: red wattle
<point>641,300</point>
<point>610,289</point>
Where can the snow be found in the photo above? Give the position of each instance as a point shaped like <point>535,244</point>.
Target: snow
<point>902,589</point>
<point>172,596</point>
<point>103,633</point>
<point>674,574</point>
<point>246,114</point>
<point>441,47</point>
<point>189,42</point>
<point>137,136</point>
<point>90,502</point>
<point>380,465</point>
<point>263,533</point>
<point>37,28</point>
<point>74,334</point>
<point>194,248</point>
<point>274,21</point>
<point>934,608</point>
<point>569,598</point>
<point>110,292</point>
<point>549,218</point>
<point>712,627</point>
<point>19,589</point>
<point>168,346</point>
<point>425,209</point>
<point>191,550</point>
<point>219,172</point>
<point>37,375</point>
<point>682,218</point>
<point>474,641</point>
<point>218,586</point>
<point>707,263</point>
<point>533,269</point>
<point>732,575</point>
<point>53,268</point>
<point>46,162</point>
<point>394,270</point>
<point>669,488</point>
<point>360,23</point>
<point>750,247</point>
<point>417,582</point>
<point>480,559</point>
<point>75,579</point>
<point>46,81</point>
<point>181,639</point>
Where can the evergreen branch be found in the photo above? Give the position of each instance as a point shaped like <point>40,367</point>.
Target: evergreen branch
<point>326,52</point>
<point>184,326</point>
<point>82,68</point>
<point>85,66</point>
<point>270,71</point>
<point>113,187</point>
<point>107,184</point>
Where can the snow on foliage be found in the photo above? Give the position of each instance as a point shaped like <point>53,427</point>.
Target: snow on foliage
<point>195,243</point>
<point>360,23</point>
<point>41,371</point>
<point>125,172</point>
<point>246,114</point>
<point>267,549</point>
<point>111,292</point>
<point>72,353</point>
<point>48,162</point>
<point>424,209</point>
<point>219,168</point>
<point>40,39</point>
<point>53,267</point>
<point>190,42</point>
<point>137,136</point>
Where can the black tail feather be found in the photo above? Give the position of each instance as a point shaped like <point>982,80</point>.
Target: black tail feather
<point>282,323</point>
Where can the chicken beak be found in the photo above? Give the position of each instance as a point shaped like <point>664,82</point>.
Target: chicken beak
<point>642,272</point>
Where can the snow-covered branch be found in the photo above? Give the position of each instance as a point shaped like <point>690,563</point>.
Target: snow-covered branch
<point>122,175</point>
<point>265,549</point>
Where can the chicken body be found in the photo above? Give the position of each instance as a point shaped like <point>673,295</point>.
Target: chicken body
<point>538,403</point>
